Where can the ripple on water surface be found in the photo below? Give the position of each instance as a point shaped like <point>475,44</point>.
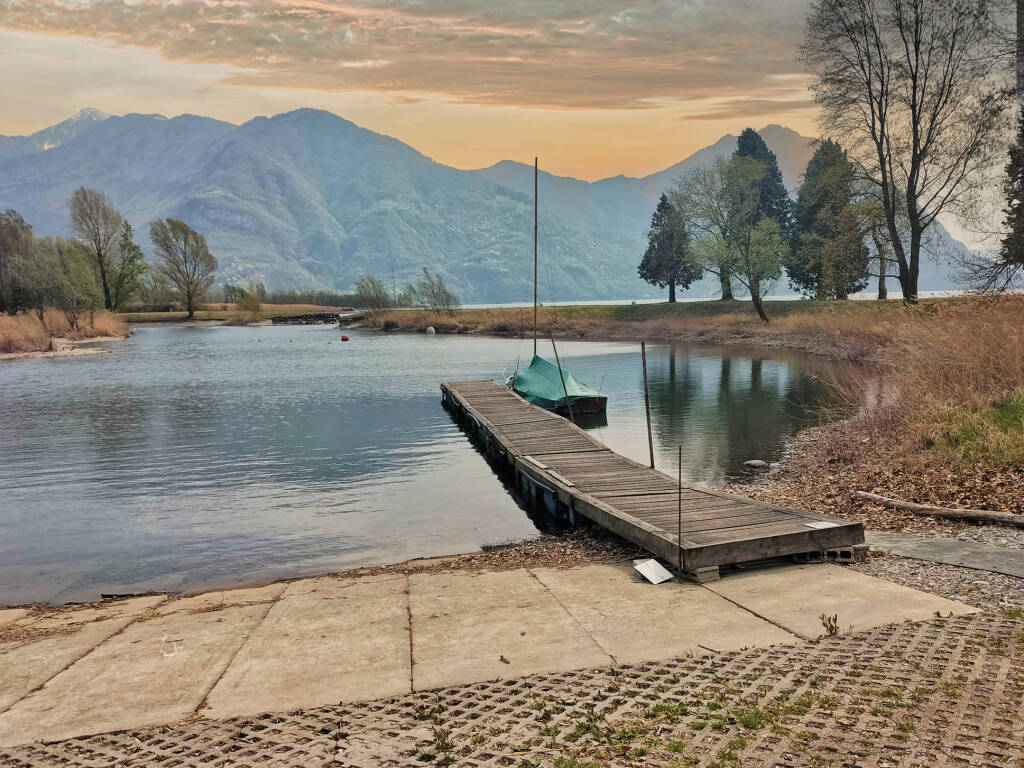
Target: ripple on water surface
<point>189,458</point>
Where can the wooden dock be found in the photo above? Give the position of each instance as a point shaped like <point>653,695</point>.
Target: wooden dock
<point>558,465</point>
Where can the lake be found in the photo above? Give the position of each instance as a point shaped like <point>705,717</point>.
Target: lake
<point>190,458</point>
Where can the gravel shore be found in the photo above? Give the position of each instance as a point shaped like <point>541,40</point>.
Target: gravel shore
<point>990,591</point>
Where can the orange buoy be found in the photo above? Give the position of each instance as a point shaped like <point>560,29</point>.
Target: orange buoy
<point>344,337</point>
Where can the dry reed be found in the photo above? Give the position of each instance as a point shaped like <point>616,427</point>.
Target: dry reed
<point>951,380</point>
<point>248,310</point>
<point>26,332</point>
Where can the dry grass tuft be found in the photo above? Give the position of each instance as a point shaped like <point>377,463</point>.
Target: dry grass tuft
<point>953,382</point>
<point>26,332</point>
<point>247,310</point>
<point>942,423</point>
<point>23,333</point>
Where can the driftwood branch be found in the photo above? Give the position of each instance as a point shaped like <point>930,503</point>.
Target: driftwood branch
<point>973,515</point>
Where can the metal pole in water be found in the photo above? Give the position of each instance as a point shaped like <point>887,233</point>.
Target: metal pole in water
<point>559,364</point>
<point>679,529</point>
<point>534,256</point>
<point>647,402</point>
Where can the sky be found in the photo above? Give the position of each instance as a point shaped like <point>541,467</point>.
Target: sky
<point>594,87</point>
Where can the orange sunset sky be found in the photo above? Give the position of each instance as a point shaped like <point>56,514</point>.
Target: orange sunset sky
<point>595,87</point>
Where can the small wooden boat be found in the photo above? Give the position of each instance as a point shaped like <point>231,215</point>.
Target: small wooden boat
<point>556,389</point>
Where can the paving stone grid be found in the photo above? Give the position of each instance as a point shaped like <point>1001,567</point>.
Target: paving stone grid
<point>949,691</point>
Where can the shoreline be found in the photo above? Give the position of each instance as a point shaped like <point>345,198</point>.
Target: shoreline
<point>827,464</point>
<point>64,347</point>
<point>830,349</point>
<point>586,545</point>
<point>859,332</point>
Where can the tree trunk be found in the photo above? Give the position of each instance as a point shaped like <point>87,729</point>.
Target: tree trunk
<point>883,291</point>
<point>889,209</point>
<point>973,515</point>
<point>671,291</point>
<point>726,286</point>
<point>914,267</point>
<point>107,303</point>
<point>759,306</point>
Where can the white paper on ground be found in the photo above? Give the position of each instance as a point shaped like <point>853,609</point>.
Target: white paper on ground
<point>652,570</point>
<point>822,524</point>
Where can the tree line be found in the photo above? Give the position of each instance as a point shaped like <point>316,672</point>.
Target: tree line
<point>914,99</point>
<point>428,291</point>
<point>735,220</point>
<point>101,266</point>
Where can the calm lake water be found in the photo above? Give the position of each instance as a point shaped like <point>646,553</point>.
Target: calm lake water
<point>190,458</point>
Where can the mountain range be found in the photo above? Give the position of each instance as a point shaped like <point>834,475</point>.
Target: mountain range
<point>307,199</point>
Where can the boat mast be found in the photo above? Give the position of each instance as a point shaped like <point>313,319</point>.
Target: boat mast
<point>534,256</point>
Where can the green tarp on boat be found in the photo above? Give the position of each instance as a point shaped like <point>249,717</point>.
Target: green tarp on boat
<point>541,385</point>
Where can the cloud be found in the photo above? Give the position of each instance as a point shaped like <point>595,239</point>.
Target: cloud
<point>743,107</point>
<point>545,53</point>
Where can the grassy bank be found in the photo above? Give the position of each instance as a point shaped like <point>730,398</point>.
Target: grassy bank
<point>27,332</point>
<point>943,424</point>
<point>226,312</point>
<point>852,330</point>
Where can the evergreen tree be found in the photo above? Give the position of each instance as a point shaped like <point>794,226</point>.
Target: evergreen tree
<point>845,256</point>
<point>1006,270</point>
<point>667,261</point>
<point>775,203</point>
<point>129,267</point>
<point>1012,250</point>
<point>828,258</point>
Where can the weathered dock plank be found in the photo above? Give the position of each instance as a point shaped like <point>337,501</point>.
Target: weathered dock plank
<point>566,468</point>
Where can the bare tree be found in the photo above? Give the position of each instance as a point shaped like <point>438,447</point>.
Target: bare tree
<point>185,260</point>
<point>915,90</point>
<point>97,224</point>
<point>372,294</point>
<point>433,292</point>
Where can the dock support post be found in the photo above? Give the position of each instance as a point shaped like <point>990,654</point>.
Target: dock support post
<point>679,520</point>
<point>647,402</point>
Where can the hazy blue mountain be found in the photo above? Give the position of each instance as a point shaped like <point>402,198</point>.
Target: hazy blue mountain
<point>308,199</point>
<point>52,137</point>
<point>623,205</point>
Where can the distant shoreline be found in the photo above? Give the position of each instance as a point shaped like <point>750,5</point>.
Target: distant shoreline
<point>848,331</point>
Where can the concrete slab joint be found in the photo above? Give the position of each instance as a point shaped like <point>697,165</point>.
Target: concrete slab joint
<point>338,639</point>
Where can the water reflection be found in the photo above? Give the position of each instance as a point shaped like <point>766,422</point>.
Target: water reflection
<point>723,406</point>
<point>198,457</point>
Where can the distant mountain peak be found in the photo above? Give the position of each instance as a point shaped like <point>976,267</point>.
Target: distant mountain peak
<point>311,114</point>
<point>88,113</point>
<point>776,128</point>
<point>65,131</point>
